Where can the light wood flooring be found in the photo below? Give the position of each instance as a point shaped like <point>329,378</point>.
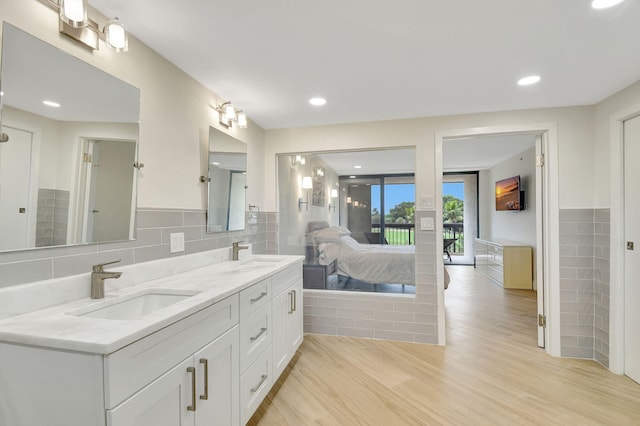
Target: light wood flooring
<point>490,373</point>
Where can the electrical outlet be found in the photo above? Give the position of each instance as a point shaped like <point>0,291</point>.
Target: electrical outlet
<point>177,242</point>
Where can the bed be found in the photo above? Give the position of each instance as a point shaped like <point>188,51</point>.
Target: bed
<point>371,263</point>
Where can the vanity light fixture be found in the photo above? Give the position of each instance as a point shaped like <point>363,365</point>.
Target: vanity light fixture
<point>307,183</point>
<point>75,23</point>
<point>228,114</point>
<point>298,160</point>
<point>348,200</point>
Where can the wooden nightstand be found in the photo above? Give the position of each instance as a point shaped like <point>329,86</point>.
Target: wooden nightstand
<point>316,275</point>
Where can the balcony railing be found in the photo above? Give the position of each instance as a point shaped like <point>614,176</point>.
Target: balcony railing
<point>397,234</point>
<point>454,231</point>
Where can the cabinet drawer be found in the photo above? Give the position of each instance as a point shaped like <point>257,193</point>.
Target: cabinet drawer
<point>255,336</point>
<point>134,366</point>
<point>285,279</point>
<point>255,297</point>
<point>255,383</point>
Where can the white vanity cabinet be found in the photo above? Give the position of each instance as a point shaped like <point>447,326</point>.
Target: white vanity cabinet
<point>198,391</point>
<point>212,367</point>
<point>287,317</point>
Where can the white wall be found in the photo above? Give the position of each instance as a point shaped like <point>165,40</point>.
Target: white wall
<point>518,226</point>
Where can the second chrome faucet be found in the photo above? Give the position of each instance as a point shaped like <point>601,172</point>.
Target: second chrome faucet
<point>98,275</point>
<point>236,247</point>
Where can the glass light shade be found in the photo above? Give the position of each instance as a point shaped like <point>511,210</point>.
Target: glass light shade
<point>355,204</point>
<point>74,12</point>
<point>242,119</point>
<point>334,193</point>
<point>230,111</point>
<point>307,183</point>
<point>116,35</point>
<point>348,200</point>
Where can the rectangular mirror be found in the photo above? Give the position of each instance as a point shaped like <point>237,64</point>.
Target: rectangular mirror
<point>67,171</point>
<point>227,182</point>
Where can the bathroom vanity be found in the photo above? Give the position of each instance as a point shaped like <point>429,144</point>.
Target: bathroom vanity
<point>185,341</point>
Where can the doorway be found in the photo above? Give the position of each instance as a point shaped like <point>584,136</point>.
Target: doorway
<point>544,201</point>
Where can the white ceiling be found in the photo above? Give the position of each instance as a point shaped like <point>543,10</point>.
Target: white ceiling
<point>388,161</point>
<point>377,60</point>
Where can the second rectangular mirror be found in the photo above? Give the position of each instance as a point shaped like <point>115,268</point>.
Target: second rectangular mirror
<point>227,182</point>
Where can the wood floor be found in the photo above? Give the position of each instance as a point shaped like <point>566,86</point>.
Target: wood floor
<point>490,373</point>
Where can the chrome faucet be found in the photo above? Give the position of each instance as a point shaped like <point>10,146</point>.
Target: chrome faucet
<point>236,248</point>
<point>98,276</point>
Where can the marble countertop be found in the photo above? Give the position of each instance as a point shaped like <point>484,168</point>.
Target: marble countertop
<point>57,326</point>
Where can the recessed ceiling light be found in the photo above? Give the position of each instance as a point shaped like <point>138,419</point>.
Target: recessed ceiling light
<point>317,101</point>
<point>352,177</point>
<point>529,80</point>
<point>357,167</point>
<point>51,104</point>
<point>215,163</point>
<point>604,4</point>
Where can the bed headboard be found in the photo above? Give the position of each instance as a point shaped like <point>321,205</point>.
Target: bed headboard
<point>311,250</point>
<point>315,225</point>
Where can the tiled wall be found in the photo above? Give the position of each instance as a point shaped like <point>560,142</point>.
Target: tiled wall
<point>152,242</point>
<point>601,285</point>
<point>584,283</point>
<point>382,316</point>
<point>52,217</point>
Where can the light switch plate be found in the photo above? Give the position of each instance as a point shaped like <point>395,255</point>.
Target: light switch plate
<point>427,203</point>
<point>177,242</point>
<point>426,224</point>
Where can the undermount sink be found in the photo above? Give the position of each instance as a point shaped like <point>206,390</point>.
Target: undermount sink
<point>135,306</point>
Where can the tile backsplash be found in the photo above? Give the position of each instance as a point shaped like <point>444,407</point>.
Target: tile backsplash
<point>584,284</point>
<point>152,242</point>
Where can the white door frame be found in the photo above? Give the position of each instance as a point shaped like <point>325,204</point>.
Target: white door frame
<point>550,276</point>
<point>616,242</point>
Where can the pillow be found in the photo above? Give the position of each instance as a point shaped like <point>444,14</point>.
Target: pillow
<point>344,230</point>
<point>329,234</point>
<point>350,242</point>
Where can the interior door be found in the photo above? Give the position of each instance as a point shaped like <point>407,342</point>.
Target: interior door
<point>539,256</point>
<point>110,190</point>
<point>632,254</point>
<point>15,184</point>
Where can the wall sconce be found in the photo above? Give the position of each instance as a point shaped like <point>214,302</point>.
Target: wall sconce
<point>75,23</point>
<point>306,184</point>
<point>298,160</point>
<point>334,195</point>
<point>228,114</point>
<point>348,200</point>
<point>318,171</point>
<point>355,204</point>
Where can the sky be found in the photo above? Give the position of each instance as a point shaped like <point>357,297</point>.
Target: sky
<point>453,188</point>
<point>395,194</point>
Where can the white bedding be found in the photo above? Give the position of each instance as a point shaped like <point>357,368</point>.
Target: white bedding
<point>373,263</point>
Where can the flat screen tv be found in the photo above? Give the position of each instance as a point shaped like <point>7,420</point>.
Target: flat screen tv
<point>509,196</point>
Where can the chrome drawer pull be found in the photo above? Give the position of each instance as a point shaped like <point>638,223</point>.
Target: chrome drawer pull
<point>257,336</point>
<point>192,407</point>
<point>262,379</point>
<point>206,378</point>
<point>263,294</point>
<point>295,300</point>
<point>291,308</point>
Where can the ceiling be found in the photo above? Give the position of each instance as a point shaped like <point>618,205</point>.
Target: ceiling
<point>379,60</point>
<point>482,152</point>
<point>386,161</point>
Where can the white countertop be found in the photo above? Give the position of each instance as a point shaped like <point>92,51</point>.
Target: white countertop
<point>55,327</point>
